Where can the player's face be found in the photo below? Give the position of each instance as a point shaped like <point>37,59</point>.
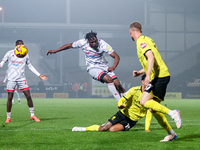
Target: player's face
<point>132,34</point>
<point>94,43</point>
<point>20,43</point>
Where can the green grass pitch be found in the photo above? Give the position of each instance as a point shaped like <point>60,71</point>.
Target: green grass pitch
<point>59,116</point>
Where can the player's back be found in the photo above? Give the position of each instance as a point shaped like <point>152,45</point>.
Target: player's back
<point>145,43</point>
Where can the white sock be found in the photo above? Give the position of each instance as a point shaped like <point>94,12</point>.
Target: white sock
<point>82,128</point>
<point>8,114</point>
<point>171,114</point>
<point>31,109</point>
<point>171,132</point>
<point>78,128</point>
<point>113,90</point>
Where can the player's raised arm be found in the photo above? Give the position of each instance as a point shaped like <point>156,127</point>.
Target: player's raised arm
<point>116,62</point>
<point>64,47</point>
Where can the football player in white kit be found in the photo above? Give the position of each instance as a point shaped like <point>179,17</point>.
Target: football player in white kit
<point>97,65</point>
<point>16,77</point>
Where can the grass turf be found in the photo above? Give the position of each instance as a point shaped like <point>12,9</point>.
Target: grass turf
<point>59,116</point>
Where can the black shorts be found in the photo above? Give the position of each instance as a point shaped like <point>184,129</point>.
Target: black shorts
<point>120,118</point>
<point>158,86</point>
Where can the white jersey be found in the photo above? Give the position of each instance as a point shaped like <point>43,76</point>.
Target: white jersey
<point>16,66</point>
<point>94,58</point>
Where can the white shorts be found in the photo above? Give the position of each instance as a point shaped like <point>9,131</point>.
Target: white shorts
<point>98,74</point>
<point>22,86</point>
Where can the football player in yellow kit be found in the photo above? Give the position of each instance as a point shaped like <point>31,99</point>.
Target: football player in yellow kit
<point>157,74</point>
<point>130,112</point>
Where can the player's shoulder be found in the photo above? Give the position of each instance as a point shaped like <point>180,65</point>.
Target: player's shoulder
<point>144,38</point>
<point>105,46</point>
<point>144,41</point>
<point>102,42</point>
<point>135,89</point>
<point>82,41</point>
<point>10,52</point>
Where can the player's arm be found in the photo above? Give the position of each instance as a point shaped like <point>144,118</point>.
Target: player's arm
<point>43,77</point>
<point>116,62</point>
<point>1,64</point>
<point>121,103</point>
<point>150,60</point>
<point>4,60</point>
<point>64,47</point>
<point>126,97</point>
<point>4,79</point>
<point>137,73</point>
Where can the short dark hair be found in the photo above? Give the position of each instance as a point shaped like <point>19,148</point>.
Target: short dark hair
<point>143,77</point>
<point>136,25</point>
<point>16,43</point>
<point>90,35</point>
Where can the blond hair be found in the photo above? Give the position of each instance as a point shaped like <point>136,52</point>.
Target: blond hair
<point>136,25</point>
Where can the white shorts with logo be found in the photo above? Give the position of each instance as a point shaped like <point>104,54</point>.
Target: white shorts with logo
<point>99,73</point>
<point>22,86</point>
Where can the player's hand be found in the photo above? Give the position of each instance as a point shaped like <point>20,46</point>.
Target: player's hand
<point>147,80</point>
<point>136,73</point>
<point>110,69</point>
<point>51,52</point>
<point>2,82</point>
<point>121,106</point>
<point>43,77</point>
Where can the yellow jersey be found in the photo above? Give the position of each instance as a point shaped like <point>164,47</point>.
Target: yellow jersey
<point>144,44</point>
<point>131,99</point>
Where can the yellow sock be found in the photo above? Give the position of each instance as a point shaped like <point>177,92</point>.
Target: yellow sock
<point>156,106</point>
<point>92,128</point>
<point>162,120</point>
<point>148,120</point>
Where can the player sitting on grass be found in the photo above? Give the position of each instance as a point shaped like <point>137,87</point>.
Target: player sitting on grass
<point>131,111</point>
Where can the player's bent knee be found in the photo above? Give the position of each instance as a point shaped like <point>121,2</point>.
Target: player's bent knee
<point>107,79</point>
<point>142,103</point>
<point>112,129</point>
<point>117,127</point>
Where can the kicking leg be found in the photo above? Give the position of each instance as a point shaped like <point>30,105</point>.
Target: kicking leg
<point>111,87</point>
<point>147,102</point>
<point>119,87</point>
